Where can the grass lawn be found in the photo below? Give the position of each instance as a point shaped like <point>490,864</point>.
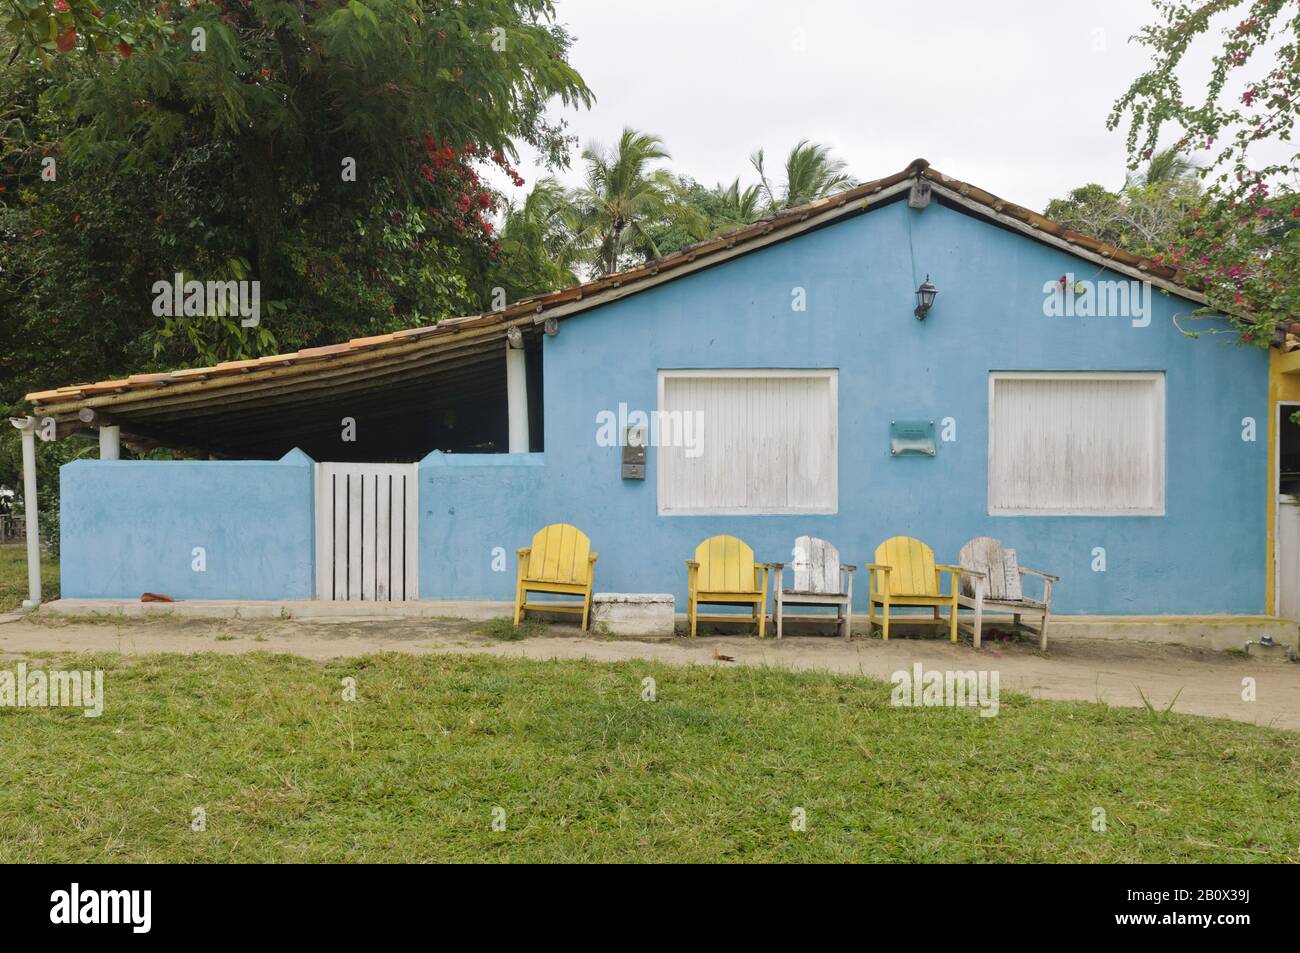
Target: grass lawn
<point>585,770</point>
<point>13,576</point>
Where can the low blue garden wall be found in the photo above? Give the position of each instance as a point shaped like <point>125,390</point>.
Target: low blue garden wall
<point>132,526</point>
<point>475,512</point>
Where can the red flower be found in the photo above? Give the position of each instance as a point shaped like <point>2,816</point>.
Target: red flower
<point>124,49</point>
<point>67,41</point>
<point>61,6</point>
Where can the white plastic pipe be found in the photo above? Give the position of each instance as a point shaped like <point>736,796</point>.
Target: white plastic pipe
<point>27,426</point>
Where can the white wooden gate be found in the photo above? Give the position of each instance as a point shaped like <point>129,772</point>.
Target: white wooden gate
<point>366,531</point>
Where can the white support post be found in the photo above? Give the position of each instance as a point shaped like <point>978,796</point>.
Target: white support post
<point>110,443</point>
<point>27,426</point>
<point>517,393</point>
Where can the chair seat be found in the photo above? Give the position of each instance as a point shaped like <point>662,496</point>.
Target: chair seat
<point>1016,603</point>
<point>548,585</point>
<point>705,596</point>
<point>916,599</point>
<point>799,593</point>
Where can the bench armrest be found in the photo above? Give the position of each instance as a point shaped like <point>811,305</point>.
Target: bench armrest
<point>1041,575</point>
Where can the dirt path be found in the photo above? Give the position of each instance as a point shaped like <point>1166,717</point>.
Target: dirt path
<point>1205,683</point>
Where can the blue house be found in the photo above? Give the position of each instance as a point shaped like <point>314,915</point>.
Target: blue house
<point>787,379</point>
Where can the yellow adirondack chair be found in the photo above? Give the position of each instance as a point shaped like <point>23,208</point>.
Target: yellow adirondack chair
<point>905,574</point>
<point>560,560</point>
<point>723,572</point>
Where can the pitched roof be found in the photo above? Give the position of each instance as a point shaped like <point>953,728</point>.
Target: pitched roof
<point>475,334</point>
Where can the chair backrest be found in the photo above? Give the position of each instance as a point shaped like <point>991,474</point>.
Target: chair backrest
<point>726,565</point>
<point>986,554</point>
<point>912,563</point>
<point>559,554</point>
<point>816,566</point>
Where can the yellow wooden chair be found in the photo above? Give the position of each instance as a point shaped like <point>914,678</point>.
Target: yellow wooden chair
<point>905,574</point>
<point>723,572</point>
<point>560,560</point>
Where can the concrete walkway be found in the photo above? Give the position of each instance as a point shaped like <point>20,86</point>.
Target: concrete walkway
<point>1206,682</point>
<point>1205,632</point>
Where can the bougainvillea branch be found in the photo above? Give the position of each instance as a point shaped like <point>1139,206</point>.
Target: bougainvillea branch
<point>1240,245</point>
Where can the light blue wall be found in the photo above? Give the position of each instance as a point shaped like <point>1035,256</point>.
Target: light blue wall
<point>475,511</point>
<point>1205,555</point>
<point>129,527</point>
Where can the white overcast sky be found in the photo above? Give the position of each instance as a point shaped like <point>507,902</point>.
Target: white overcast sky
<point>1011,95</point>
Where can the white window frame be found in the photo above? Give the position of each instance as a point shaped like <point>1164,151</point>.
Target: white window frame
<point>830,374</point>
<point>1157,509</point>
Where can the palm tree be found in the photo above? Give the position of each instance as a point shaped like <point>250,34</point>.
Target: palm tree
<point>736,206</point>
<point>536,242</point>
<point>810,174</point>
<point>1166,167</point>
<point>623,200</point>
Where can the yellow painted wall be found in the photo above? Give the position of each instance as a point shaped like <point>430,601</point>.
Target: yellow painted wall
<point>1283,384</point>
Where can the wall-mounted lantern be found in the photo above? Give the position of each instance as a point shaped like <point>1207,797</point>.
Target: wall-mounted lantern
<point>924,298</point>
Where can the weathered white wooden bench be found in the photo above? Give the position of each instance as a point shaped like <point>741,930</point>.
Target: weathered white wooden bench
<point>819,579</point>
<point>992,579</point>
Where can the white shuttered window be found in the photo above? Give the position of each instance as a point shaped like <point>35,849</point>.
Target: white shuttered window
<point>766,441</point>
<point>1073,443</point>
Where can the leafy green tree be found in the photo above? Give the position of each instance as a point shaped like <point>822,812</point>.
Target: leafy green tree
<point>221,145</point>
<point>1146,219</point>
<point>46,29</point>
<point>231,158</point>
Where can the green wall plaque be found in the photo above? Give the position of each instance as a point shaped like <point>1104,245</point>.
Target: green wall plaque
<point>911,438</point>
